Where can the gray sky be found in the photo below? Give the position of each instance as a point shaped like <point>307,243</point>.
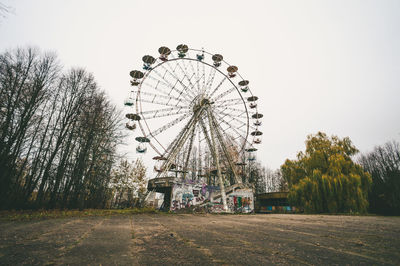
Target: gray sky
<point>331,66</point>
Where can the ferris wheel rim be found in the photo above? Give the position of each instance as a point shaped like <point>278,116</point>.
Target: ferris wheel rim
<point>148,72</point>
<point>229,123</point>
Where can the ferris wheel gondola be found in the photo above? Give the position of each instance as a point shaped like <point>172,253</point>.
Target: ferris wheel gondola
<point>217,59</point>
<point>232,71</point>
<point>148,60</point>
<point>244,85</point>
<point>164,53</point>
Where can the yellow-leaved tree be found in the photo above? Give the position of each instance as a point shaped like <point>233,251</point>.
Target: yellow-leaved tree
<point>324,178</point>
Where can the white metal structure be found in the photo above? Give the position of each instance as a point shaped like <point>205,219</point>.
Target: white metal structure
<point>198,114</point>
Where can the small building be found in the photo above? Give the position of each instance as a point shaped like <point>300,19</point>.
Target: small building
<point>273,202</point>
<point>154,199</point>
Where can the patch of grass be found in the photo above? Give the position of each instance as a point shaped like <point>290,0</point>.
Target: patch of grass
<point>27,215</point>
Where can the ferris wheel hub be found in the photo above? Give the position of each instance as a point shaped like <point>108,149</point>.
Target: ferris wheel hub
<point>200,102</point>
<point>205,101</point>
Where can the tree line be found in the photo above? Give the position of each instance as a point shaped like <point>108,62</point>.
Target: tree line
<point>58,134</point>
<point>383,163</point>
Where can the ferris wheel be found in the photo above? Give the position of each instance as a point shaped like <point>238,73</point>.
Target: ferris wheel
<point>196,112</point>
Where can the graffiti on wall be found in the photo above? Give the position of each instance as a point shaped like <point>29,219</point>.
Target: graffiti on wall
<point>240,201</point>
<point>187,195</point>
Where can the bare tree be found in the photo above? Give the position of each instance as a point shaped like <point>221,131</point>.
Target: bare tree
<point>383,163</point>
<point>26,79</point>
<point>128,184</point>
<point>58,134</point>
<point>5,10</point>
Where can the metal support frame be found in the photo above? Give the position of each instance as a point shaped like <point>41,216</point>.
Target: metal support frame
<point>181,141</point>
<point>224,149</point>
<point>216,157</point>
<point>175,91</point>
<point>192,135</point>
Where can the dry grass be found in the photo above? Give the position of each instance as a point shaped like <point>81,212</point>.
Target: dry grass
<point>27,215</point>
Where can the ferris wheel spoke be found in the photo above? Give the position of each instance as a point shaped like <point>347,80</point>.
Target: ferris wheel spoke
<point>230,123</point>
<point>225,93</point>
<point>170,86</point>
<point>237,137</point>
<point>161,79</point>
<point>157,115</point>
<point>185,74</point>
<point>192,67</point>
<point>198,80</point>
<point>197,74</point>
<point>169,125</point>
<point>240,133</point>
<point>235,118</point>
<point>158,88</point>
<point>225,130</point>
<point>175,76</point>
<point>234,109</point>
<point>241,113</point>
<point>234,128</point>
<point>231,127</point>
<point>187,97</point>
<point>210,80</point>
<point>230,139</point>
<point>162,103</point>
<point>204,75</point>
<point>218,86</point>
<point>239,126</point>
<point>222,111</point>
<point>186,88</point>
<point>163,110</point>
<point>229,102</point>
<point>156,96</point>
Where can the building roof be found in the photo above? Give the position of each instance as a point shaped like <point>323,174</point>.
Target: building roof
<point>273,195</point>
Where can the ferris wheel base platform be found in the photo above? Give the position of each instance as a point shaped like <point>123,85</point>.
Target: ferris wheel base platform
<point>189,195</point>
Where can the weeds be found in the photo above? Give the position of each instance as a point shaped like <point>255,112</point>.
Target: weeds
<point>27,215</point>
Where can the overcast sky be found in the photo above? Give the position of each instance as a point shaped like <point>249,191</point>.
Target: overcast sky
<point>331,66</point>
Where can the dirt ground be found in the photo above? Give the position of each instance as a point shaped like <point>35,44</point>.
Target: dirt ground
<point>170,239</point>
